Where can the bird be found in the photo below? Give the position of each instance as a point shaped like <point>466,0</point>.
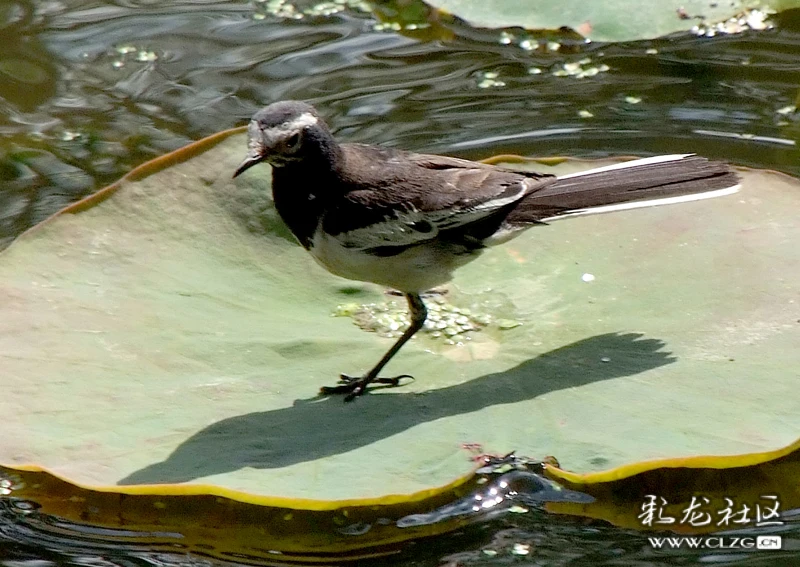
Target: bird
<point>407,220</point>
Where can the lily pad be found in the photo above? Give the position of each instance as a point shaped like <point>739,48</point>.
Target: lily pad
<point>170,331</point>
<point>617,20</point>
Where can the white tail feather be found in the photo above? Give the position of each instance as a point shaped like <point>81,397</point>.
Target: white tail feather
<point>642,204</point>
<point>629,164</point>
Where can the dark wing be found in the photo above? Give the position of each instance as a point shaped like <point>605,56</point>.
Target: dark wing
<point>402,198</point>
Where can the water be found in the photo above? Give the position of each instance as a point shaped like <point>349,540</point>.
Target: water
<point>90,89</point>
<point>534,538</point>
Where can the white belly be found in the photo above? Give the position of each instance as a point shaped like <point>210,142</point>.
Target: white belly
<point>417,269</point>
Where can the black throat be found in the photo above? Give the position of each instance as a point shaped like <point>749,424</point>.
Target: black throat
<point>303,188</point>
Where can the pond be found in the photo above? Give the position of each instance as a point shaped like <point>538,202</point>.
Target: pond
<point>91,89</point>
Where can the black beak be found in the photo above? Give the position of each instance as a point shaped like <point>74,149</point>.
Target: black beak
<point>252,159</point>
<point>256,149</point>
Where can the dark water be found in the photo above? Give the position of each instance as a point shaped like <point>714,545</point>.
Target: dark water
<point>535,538</point>
<point>90,89</point>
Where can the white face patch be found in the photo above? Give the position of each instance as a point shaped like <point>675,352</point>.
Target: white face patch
<point>302,121</point>
<point>286,129</point>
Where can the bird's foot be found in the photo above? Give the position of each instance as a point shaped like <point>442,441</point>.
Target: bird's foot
<point>356,386</point>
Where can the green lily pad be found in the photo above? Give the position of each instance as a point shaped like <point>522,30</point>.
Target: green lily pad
<point>170,331</point>
<point>618,20</point>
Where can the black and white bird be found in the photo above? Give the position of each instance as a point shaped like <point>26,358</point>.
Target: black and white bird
<point>407,221</point>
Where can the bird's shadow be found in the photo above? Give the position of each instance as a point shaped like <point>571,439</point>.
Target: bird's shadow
<point>316,428</point>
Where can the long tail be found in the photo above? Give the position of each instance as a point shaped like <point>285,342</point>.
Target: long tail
<point>648,182</point>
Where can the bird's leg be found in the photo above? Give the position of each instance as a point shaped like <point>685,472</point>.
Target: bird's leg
<point>354,387</point>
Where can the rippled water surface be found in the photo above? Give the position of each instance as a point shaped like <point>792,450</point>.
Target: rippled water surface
<point>534,538</point>
<point>90,89</point>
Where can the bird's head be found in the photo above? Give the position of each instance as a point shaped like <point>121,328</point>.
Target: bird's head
<point>282,133</point>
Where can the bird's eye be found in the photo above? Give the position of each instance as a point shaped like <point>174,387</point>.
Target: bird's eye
<point>293,142</point>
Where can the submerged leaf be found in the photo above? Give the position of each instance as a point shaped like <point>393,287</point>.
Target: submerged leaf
<point>618,20</point>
